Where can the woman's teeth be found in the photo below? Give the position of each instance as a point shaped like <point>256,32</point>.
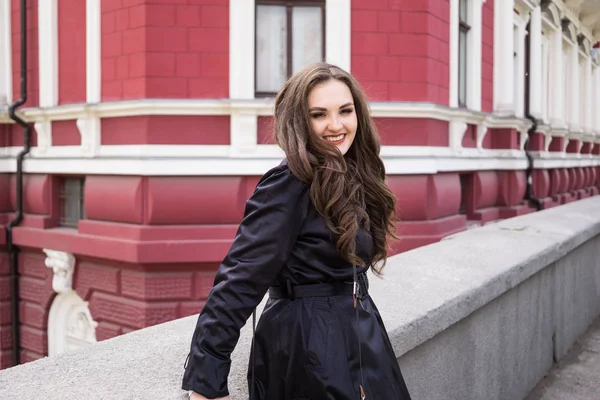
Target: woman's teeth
<point>334,138</point>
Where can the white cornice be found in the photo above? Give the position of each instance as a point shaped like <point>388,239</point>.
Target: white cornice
<point>259,107</point>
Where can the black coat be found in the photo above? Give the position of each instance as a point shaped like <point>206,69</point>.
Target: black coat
<point>305,348</point>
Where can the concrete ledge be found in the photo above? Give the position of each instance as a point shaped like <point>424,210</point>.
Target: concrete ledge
<point>480,315</point>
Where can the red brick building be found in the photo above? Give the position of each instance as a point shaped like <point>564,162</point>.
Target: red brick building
<point>150,125</point>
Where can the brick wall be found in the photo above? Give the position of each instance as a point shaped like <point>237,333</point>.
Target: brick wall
<point>400,49</point>
<point>173,49</point>
<point>5,318</point>
<point>72,50</point>
<point>487,57</point>
<point>33,87</point>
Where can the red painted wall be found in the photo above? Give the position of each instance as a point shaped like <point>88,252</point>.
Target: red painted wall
<point>487,57</point>
<point>165,49</point>
<point>71,54</point>
<point>33,87</point>
<point>400,49</point>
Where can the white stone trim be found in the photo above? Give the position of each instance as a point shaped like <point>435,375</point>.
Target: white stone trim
<point>520,22</point>
<point>5,54</point>
<point>337,33</point>
<point>70,324</point>
<point>536,80</point>
<point>166,160</point>
<point>93,81</point>
<point>241,49</point>
<point>503,58</point>
<point>572,97</point>
<point>43,130</point>
<point>557,113</point>
<point>48,52</point>
<point>63,266</point>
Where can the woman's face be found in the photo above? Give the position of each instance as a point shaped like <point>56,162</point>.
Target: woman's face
<point>332,114</point>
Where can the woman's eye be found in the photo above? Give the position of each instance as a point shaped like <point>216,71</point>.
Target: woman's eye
<point>347,111</point>
<point>317,115</point>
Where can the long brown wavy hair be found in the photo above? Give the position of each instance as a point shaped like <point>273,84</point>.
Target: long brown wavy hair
<point>349,190</point>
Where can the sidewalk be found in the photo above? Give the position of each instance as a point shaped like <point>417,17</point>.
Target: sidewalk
<point>577,376</point>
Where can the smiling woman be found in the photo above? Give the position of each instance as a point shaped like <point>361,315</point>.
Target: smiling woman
<point>332,114</point>
<point>313,227</point>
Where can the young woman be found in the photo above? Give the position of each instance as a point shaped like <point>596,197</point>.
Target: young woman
<point>310,231</point>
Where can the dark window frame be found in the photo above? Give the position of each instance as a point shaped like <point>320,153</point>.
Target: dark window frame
<point>65,197</point>
<point>289,5</point>
<point>463,29</point>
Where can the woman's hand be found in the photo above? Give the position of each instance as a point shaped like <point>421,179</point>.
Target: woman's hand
<point>196,396</point>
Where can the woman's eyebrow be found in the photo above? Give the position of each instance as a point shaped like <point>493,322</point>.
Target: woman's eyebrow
<point>324,109</point>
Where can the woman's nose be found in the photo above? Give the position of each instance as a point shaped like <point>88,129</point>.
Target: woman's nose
<point>335,124</point>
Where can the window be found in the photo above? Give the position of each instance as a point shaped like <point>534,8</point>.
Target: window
<point>463,32</point>
<point>289,36</point>
<point>71,202</point>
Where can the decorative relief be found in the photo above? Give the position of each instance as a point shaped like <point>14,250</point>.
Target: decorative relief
<point>457,132</point>
<point>63,265</point>
<point>89,129</point>
<point>81,328</point>
<point>482,130</point>
<point>43,130</point>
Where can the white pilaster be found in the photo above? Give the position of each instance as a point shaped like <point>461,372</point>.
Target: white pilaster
<point>574,89</point>
<point>92,56</point>
<point>588,97</point>
<point>241,49</point>
<point>536,59</point>
<point>5,54</point>
<point>48,52</point>
<point>337,33</point>
<point>596,100</point>
<point>519,80</point>
<point>503,58</point>
<point>557,95</point>
<point>474,55</point>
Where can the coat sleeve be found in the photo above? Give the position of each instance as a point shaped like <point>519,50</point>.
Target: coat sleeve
<point>272,220</point>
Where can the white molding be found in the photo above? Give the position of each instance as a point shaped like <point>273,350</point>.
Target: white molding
<point>519,81</point>
<point>474,43</point>
<point>474,55</point>
<point>93,81</point>
<point>70,324</point>
<point>241,49</point>
<point>167,160</point>
<point>503,58</point>
<point>557,115</point>
<point>536,64</point>
<point>43,130</point>
<point>90,130</point>
<point>48,52</point>
<point>5,54</point>
<point>578,25</point>
<point>337,33</point>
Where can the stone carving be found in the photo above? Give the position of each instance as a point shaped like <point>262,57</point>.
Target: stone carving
<point>81,329</point>
<point>63,265</point>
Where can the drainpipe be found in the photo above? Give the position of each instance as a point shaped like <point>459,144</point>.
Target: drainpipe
<point>12,249</point>
<point>531,131</point>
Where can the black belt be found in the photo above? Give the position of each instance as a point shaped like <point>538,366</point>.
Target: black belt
<point>320,289</point>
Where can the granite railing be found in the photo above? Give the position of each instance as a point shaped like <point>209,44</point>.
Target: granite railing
<point>480,315</point>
